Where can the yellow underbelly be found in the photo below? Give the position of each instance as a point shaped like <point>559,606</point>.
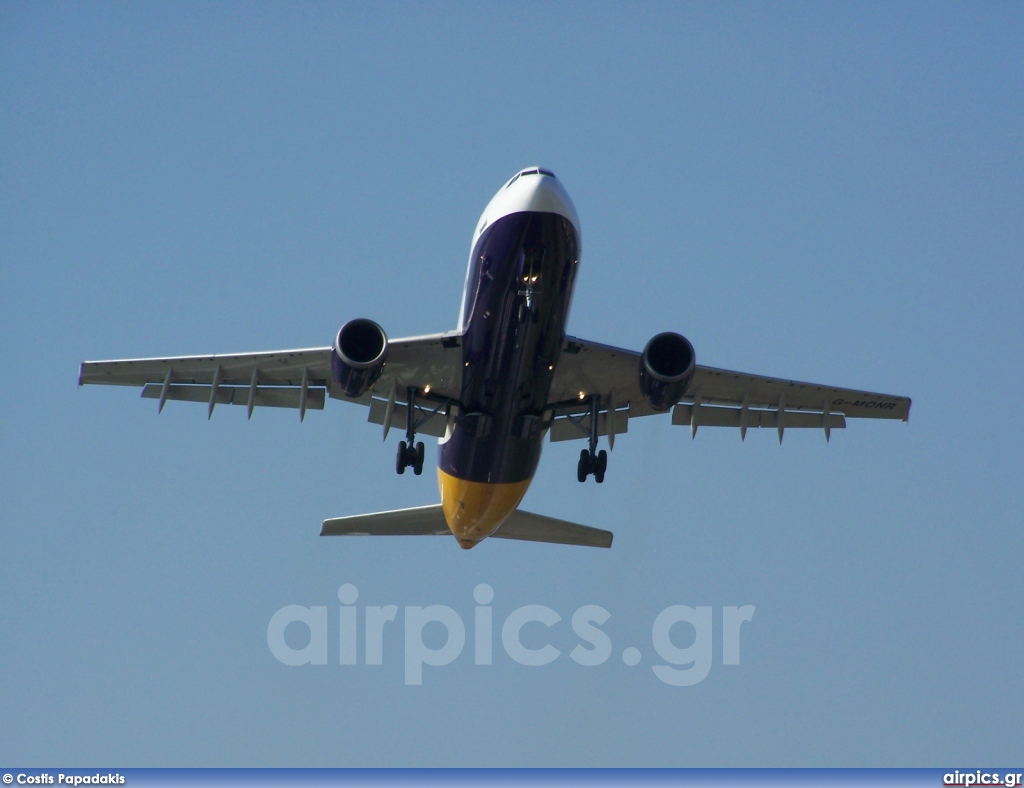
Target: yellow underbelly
<point>474,510</point>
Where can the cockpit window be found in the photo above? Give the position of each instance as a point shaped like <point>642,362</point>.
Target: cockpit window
<point>534,171</point>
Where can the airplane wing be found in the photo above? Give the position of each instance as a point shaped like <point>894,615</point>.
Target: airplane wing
<point>429,521</point>
<point>714,397</point>
<point>300,379</point>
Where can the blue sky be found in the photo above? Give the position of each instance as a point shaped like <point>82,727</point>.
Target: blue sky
<point>824,192</point>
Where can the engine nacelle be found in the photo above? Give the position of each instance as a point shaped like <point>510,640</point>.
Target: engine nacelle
<point>358,357</point>
<point>666,366</point>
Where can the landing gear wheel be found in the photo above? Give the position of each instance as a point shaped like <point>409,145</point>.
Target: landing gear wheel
<point>583,468</point>
<point>592,463</point>
<point>400,462</point>
<point>417,466</point>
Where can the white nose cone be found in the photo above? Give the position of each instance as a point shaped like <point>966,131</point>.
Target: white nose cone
<point>532,189</point>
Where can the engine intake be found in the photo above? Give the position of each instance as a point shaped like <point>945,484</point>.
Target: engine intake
<point>666,367</point>
<point>358,358</point>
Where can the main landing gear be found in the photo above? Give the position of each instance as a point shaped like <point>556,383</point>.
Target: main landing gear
<point>409,456</point>
<point>410,452</point>
<point>593,461</point>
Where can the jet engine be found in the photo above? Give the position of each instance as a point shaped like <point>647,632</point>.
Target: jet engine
<point>358,357</point>
<point>666,367</point>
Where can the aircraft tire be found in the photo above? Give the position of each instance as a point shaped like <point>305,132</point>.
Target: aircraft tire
<point>400,460</point>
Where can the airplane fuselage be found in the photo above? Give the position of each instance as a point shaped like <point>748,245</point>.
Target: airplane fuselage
<point>519,286</point>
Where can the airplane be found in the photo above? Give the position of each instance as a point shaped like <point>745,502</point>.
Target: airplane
<point>505,378</point>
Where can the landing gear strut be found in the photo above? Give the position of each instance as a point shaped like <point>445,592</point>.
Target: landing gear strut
<point>410,453</point>
<point>593,461</point>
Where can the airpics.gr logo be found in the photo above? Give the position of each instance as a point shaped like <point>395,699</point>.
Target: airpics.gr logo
<point>682,667</point>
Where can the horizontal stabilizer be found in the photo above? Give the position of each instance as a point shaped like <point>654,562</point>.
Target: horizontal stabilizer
<point>420,521</point>
<point>429,521</point>
<point>538,528</point>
